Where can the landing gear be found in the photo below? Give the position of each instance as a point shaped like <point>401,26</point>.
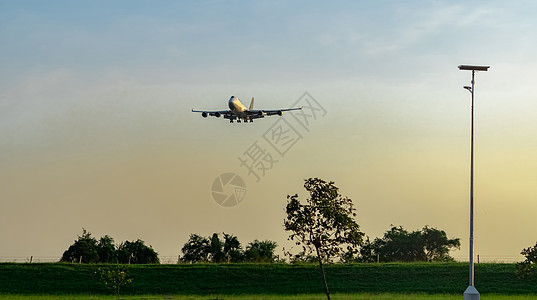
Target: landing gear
<point>241,120</point>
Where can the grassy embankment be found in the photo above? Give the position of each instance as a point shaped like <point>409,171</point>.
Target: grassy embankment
<point>268,297</point>
<point>265,279</point>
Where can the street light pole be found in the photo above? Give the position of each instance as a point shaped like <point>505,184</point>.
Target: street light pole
<point>471,292</point>
<point>472,188</point>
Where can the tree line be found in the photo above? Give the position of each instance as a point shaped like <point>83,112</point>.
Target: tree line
<point>397,245</point>
<point>198,249</point>
<point>216,250</point>
<point>87,249</point>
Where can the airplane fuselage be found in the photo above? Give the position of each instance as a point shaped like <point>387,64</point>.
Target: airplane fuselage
<point>236,105</point>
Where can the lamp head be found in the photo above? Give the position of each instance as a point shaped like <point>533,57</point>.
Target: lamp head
<point>474,68</point>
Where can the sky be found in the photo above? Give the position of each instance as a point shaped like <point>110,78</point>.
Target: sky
<point>96,128</point>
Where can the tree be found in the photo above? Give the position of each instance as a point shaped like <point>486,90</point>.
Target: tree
<point>368,252</point>
<point>107,250</point>
<point>196,249</point>
<point>528,267</point>
<point>216,249</point>
<point>260,251</point>
<point>114,278</point>
<point>87,249</point>
<point>84,250</point>
<point>136,253</point>
<point>213,249</point>
<point>232,249</point>
<point>437,244</point>
<point>324,225</point>
<point>400,245</point>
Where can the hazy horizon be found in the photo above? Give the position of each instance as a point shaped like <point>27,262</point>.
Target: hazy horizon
<point>96,128</point>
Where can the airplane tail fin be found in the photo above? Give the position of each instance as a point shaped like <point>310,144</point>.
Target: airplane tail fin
<point>251,104</point>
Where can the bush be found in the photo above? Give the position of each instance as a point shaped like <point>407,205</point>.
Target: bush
<point>527,267</point>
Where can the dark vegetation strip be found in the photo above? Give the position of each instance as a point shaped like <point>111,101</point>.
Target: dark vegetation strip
<point>205,279</point>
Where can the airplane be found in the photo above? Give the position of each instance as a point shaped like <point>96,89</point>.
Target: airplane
<point>240,112</point>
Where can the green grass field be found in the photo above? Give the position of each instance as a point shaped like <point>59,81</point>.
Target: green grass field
<point>266,281</point>
<point>273,297</point>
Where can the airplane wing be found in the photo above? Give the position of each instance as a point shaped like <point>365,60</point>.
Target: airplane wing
<point>270,112</point>
<point>214,113</point>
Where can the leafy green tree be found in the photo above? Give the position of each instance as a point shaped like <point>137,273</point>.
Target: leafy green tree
<point>87,249</point>
<point>528,268</point>
<point>232,249</point>
<point>368,252</point>
<point>216,249</point>
<point>114,278</point>
<point>83,250</point>
<point>324,225</point>
<point>196,249</point>
<point>437,244</point>
<point>213,249</point>
<point>136,253</point>
<point>400,245</point>
<point>260,251</point>
<point>106,250</point>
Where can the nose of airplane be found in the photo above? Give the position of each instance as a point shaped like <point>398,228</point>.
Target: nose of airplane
<point>233,99</point>
<point>231,104</point>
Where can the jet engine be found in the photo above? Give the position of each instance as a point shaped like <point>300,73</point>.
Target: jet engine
<point>217,114</point>
<point>261,113</point>
<point>280,113</point>
<point>204,114</point>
